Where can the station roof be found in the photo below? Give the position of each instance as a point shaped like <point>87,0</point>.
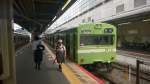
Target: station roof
<point>35,15</point>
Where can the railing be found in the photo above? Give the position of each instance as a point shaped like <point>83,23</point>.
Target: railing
<point>142,72</point>
<point>137,72</point>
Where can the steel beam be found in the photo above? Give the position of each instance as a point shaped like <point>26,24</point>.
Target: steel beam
<point>48,2</point>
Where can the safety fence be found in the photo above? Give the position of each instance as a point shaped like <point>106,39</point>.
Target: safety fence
<point>142,72</point>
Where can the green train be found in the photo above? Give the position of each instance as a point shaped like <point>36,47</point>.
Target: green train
<point>88,43</point>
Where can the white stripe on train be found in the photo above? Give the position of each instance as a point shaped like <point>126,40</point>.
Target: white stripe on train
<point>96,50</point>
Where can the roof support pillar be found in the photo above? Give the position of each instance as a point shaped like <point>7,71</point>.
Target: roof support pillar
<point>7,57</point>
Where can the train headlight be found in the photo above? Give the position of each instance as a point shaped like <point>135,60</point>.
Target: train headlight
<point>112,58</point>
<point>109,61</point>
<point>108,30</point>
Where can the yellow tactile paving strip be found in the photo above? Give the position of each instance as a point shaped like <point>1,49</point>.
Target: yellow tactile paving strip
<point>70,75</point>
<point>84,78</point>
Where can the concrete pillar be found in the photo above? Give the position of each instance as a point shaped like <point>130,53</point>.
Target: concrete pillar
<point>7,57</point>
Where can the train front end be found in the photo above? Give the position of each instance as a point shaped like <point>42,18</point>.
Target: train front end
<point>96,43</point>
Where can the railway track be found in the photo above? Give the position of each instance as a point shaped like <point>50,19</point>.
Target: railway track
<point>125,67</point>
<point>144,75</point>
<point>134,54</point>
<point>122,73</point>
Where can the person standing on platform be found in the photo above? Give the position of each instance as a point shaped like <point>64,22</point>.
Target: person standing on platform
<point>37,52</point>
<point>60,53</point>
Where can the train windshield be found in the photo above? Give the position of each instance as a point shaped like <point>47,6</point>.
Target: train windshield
<point>96,40</point>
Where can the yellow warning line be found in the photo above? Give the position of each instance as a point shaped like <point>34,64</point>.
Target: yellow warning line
<point>70,75</point>
<point>72,78</point>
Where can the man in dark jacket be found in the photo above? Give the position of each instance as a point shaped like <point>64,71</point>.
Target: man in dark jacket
<point>38,56</point>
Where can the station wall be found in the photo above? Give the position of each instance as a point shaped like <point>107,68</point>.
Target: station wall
<point>99,10</point>
<point>134,33</point>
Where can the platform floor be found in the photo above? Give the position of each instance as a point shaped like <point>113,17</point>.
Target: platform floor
<point>76,74</point>
<point>49,73</point>
<point>26,74</point>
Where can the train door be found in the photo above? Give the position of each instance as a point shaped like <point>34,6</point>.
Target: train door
<point>53,43</point>
<point>64,39</point>
<point>74,46</point>
<point>68,44</point>
<point>71,46</point>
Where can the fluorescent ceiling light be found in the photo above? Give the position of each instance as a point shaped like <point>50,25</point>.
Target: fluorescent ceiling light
<point>16,26</point>
<point>66,4</point>
<point>18,29</point>
<point>54,18</point>
<point>146,20</point>
<point>124,23</point>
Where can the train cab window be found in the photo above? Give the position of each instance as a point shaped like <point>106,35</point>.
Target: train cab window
<point>96,40</point>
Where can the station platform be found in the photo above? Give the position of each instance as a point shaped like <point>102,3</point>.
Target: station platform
<point>49,73</point>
